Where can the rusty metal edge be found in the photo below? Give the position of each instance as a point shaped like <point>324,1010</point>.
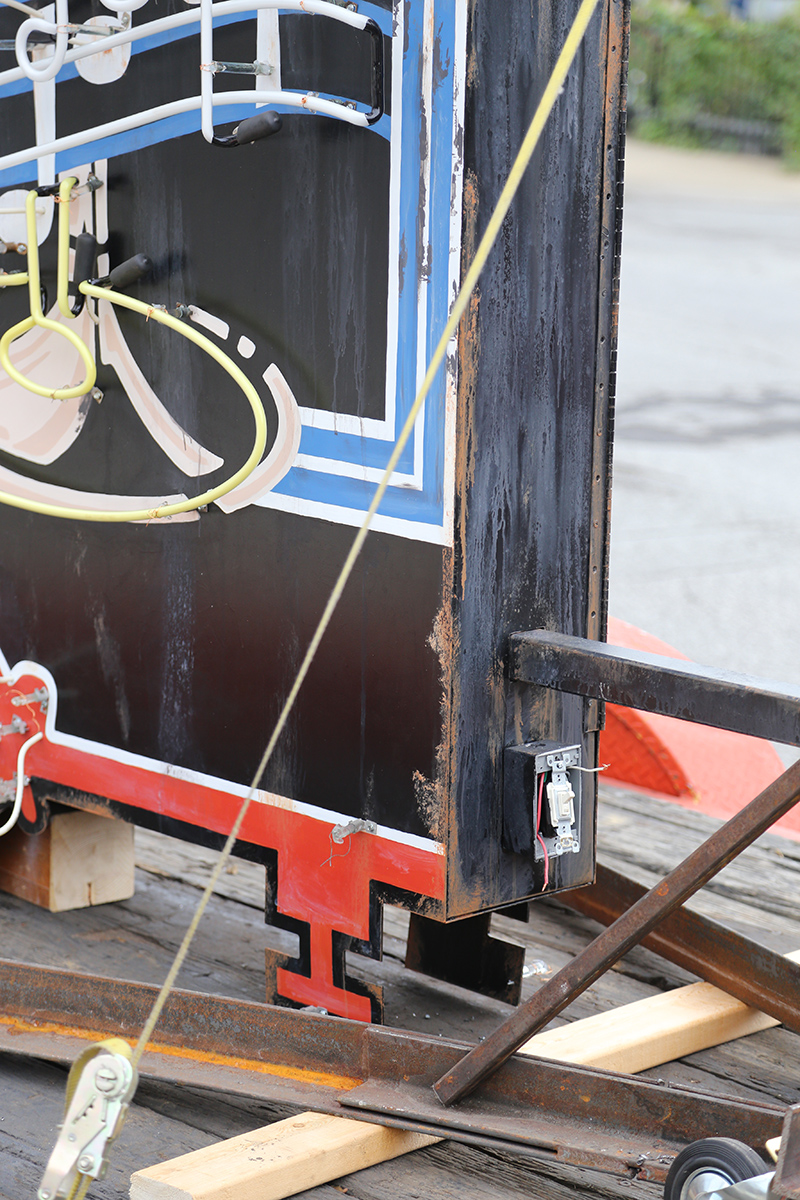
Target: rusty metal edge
<point>739,966</point>
<point>654,683</point>
<point>626,932</point>
<point>534,1107</point>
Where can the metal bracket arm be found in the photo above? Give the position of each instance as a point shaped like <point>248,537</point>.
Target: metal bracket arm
<point>735,964</point>
<point>626,932</point>
<point>656,684</point>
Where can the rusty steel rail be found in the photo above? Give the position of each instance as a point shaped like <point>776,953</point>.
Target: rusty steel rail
<point>656,684</point>
<point>741,967</point>
<point>580,1115</point>
<point>627,931</point>
<point>786,1183</point>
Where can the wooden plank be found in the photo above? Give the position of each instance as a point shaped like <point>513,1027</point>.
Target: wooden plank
<point>278,1160</point>
<point>652,1031</point>
<point>79,860</point>
<point>301,1152</point>
<point>645,837</point>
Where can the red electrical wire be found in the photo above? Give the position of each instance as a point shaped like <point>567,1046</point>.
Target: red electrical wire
<point>539,837</point>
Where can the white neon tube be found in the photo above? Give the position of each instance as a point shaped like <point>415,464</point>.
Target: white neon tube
<point>51,66</point>
<point>312,104</point>
<point>23,750</point>
<point>20,7</point>
<point>206,77</point>
<point>191,17</point>
<point>123,6</point>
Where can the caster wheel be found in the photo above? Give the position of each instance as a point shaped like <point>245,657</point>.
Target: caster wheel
<point>711,1163</point>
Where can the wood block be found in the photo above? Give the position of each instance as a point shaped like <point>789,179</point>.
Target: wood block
<point>290,1156</point>
<point>653,1031</point>
<point>79,860</point>
<point>278,1160</point>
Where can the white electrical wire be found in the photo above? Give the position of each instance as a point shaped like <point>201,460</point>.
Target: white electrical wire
<point>206,77</point>
<point>192,17</point>
<point>23,750</point>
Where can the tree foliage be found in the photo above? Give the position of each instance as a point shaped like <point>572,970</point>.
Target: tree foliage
<point>701,77</point>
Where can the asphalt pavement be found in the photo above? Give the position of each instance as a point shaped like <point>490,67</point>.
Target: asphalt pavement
<point>705,532</point>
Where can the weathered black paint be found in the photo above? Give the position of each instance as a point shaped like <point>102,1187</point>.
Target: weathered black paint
<point>463,953</point>
<point>180,642</point>
<point>535,390</point>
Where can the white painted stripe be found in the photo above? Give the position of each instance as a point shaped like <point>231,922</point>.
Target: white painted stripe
<point>213,324</point>
<point>331,466</point>
<point>268,48</point>
<point>454,281</point>
<point>157,767</point>
<point>415,531</point>
<point>393,265</point>
<point>317,418</point>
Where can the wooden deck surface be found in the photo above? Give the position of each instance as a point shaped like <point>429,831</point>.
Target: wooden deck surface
<point>135,939</point>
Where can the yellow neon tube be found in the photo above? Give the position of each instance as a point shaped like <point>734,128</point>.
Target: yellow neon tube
<point>64,197</point>
<point>164,510</point>
<point>37,317</point>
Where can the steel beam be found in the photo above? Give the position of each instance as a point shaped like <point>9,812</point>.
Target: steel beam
<point>653,683</point>
<point>786,1184</point>
<point>589,1117</point>
<point>634,925</point>
<point>742,968</point>
<point>581,1115</point>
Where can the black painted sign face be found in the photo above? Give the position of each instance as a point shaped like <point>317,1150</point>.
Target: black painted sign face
<point>320,262</point>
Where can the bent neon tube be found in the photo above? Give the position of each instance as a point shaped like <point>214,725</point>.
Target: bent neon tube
<point>37,316</point>
<point>192,17</point>
<point>184,506</point>
<point>299,100</point>
<point>150,312</point>
<point>40,72</point>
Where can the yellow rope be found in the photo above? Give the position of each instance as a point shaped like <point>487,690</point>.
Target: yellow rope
<point>80,1187</point>
<point>545,106</point>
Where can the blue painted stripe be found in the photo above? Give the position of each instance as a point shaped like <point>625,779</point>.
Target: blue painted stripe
<point>162,131</point>
<point>70,71</point>
<point>405,503</point>
<point>425,506</point>
<point>350,448</point>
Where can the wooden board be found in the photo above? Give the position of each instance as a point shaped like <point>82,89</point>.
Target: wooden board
<point>278,1160</point>
<point>283,1159</point>
<point>79,860</point>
